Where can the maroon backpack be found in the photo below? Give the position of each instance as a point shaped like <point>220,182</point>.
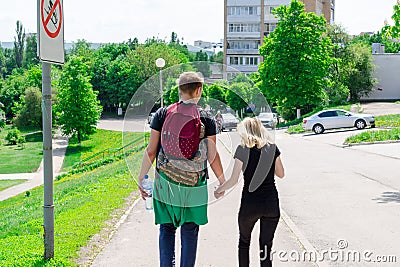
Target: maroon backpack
<point>180,134</point>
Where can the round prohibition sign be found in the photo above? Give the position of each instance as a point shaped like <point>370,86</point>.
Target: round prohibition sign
<point>50,14</point>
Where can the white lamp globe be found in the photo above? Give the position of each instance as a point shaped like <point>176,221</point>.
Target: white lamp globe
<point>160,62</point>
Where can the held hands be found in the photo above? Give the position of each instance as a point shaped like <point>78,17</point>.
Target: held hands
<point>218,192</point>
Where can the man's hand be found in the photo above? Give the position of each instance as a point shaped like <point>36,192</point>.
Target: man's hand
<point>143,192</point>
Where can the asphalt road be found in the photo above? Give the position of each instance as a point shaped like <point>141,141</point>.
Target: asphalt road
<point>351,195</point>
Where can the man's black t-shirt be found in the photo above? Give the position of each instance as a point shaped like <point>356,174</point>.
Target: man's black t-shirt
<point>258,170</point>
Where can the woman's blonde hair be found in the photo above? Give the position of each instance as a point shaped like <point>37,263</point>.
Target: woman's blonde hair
<point>253,133</point>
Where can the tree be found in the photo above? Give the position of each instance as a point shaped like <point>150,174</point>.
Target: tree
<point>217,58</point>
<point>133,43</point>
<point>173,95</point>
<point>19,44</point>
<point>351,72</point>
<point>297,56</point>
<point>216,96</point>
<point>174,38</point>
<point>394,30</point>
<point>3,69</point>
<point>236,97</point>
<point>201,63</point>
<point>78,109</point>
<point>104,63</point>
<point>30,55</point>
<point>216,92</point>
<point>2,117</point>
<point>337,92</point>
<point>31,111</point>
<point>144,57</point>
<point>10,63</point>
<point>391,45</point>
<point>83,49</point>
<point>15,85</point>
<point>121,84</point>
<point>359,77</point>
<point>143,60</point>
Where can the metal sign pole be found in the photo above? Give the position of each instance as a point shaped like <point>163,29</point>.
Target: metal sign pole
<point>161,89</point>
<point>48,205</point>
<point>50,51</point>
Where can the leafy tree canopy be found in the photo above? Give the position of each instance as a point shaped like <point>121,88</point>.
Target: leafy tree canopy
<point>297,57</point>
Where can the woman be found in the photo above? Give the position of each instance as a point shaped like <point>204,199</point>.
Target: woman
<point>260,161</point>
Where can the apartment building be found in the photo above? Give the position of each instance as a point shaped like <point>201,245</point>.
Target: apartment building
<point>246,22</point>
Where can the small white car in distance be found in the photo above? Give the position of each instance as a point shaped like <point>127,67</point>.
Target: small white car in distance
<point>269,120</point>
<point>335,119</point>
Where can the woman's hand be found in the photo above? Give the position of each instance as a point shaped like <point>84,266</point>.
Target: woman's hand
<point>218,193</point>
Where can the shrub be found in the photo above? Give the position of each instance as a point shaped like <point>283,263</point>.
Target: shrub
<point>2,119</point>
<point>14,137</point>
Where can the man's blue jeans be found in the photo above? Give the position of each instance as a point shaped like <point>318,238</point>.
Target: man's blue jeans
<point>189,236</point>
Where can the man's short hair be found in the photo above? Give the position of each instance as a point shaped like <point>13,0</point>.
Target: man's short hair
<point>189,81</point>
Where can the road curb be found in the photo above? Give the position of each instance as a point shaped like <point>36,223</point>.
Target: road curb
<point>302,238</point>
<point>372,143</point>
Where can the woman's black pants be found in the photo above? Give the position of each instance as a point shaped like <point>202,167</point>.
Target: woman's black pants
<point>267,211</point>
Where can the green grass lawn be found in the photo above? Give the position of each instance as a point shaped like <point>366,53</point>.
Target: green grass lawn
<point>4,184</point>
<point>83,203</point>
<point>388,120</point>
<point>21,159</point>
<point>100,141</point>
<point>375,136</point>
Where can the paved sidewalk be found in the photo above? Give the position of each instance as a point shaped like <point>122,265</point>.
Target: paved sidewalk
<point>60,144</point>
<point>135,243</point>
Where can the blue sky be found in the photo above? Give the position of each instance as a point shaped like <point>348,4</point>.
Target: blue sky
<point>119,20</point>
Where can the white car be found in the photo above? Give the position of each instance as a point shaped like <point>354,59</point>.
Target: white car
<point>229,121</point>
<point>335,119</point>
<point>269,120</point>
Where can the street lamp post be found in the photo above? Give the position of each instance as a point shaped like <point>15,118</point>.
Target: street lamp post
<point>160,63</point>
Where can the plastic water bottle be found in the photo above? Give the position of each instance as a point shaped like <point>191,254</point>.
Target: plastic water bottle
<point>147,185</point>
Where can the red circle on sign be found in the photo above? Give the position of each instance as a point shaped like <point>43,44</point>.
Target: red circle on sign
<point>45,21</point>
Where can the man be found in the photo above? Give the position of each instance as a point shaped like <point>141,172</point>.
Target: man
<point>177,205</point>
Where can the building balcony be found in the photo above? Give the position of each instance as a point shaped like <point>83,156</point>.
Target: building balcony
<point>242,52</point>
<point>243,19</point>
<point>243,68</point>
<point>243,35</point>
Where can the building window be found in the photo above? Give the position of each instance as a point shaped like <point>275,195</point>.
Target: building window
<point>249,61</point>
<point>243,11</point>
<point>234,60</point>
<point>243,27</point>
<point>268,9</point>
<point>244,45</point>
<point>269,27</point>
